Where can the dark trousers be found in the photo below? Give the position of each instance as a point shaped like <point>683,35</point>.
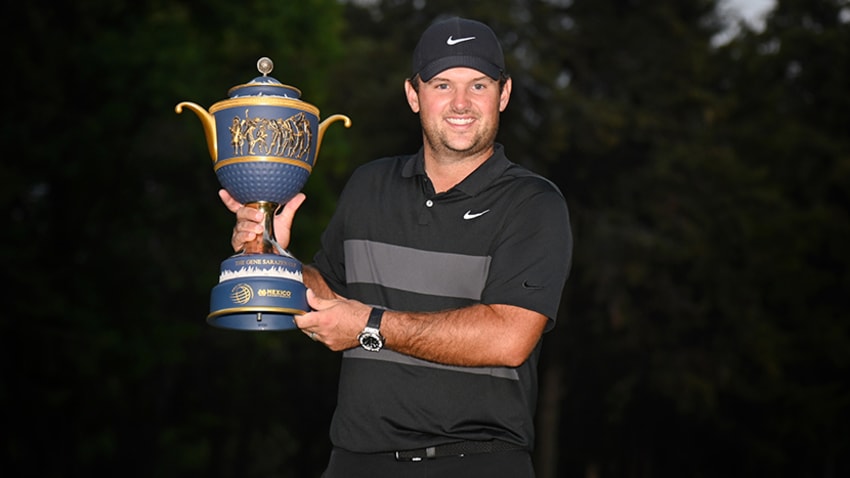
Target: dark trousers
<point>504,464</point>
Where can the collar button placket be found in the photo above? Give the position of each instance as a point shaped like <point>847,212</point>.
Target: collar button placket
<point>425,213</point>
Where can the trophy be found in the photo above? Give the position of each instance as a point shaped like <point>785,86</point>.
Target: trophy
<point>263,140</point>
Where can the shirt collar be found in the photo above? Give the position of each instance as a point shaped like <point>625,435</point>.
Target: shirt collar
<point>473,184</point>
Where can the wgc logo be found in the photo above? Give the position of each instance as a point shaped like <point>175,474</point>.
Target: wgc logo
<point>241,294</point>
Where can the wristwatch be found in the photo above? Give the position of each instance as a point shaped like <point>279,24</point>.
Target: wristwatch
<point>371,338</point>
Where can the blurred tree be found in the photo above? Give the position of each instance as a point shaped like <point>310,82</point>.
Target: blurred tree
<point>117,233</point>
<point>681,306</point>
<point>788,408</point>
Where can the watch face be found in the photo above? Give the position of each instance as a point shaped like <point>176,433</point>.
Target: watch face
<point>371,342</point>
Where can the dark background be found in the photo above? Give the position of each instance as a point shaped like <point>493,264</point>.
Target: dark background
<point>703,331</point>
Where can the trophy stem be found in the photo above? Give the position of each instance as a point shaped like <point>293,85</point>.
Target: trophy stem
<point>262,287</point>
<point>265,244</point>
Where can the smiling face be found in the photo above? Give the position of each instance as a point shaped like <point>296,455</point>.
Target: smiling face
<point>459,111</point>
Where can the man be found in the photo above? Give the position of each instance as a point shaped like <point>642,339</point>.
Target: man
<point>437,276</point>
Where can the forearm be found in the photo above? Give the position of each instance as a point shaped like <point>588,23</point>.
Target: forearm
<point>479,335</point>
<point>314,281</point>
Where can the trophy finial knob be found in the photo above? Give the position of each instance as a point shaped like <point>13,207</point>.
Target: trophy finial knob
<point>265,65</point>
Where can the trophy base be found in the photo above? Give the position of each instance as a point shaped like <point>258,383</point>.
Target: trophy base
<point>261,321</point>
<point>261,292</point>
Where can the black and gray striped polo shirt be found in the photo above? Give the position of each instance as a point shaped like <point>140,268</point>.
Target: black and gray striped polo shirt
<point>501,236</point>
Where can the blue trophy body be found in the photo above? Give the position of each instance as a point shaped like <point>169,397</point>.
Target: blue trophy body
<point>263,140</point>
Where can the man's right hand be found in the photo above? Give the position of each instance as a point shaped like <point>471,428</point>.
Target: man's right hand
<point>249,221</point>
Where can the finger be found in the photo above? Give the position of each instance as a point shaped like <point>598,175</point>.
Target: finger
<point>239,238</point>
<point>285,215</point>
<point>249,224</point>
<point>314,301</point>
<point>308,332</point>
<point>249,221</point>
<point>307,327</point>
<point>304,323</point>
<point>290,207</point>
<point>231,204</point>
<point>250,214</point>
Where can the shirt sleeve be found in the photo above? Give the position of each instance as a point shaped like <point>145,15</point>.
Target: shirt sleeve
<point>330,259</point>
<point>532,258</point>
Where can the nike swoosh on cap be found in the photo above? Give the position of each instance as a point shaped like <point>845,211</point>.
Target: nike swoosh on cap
<point>451,41</point>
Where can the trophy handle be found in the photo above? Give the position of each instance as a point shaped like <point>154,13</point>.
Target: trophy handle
<point>207,120</point>
<point>324,125</point>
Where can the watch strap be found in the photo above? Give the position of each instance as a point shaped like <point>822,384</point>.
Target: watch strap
<point>375,317</point>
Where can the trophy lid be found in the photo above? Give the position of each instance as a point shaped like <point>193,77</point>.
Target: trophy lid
<point>264,85</point>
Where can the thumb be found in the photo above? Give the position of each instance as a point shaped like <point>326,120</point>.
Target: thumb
<point>232,204</point>
<point>283,219</point>
<point>285,215</point>
<point>316,302</point>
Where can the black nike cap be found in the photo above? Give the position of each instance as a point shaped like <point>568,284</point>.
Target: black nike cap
<point>458,42</point>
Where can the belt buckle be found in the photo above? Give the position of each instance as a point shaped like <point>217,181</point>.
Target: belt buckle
<point>430,452</point>
<point>398,457</point>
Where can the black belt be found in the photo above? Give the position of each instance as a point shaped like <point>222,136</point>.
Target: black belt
<point>460,448</point>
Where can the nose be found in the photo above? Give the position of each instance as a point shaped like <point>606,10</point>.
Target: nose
<point>460,101</point>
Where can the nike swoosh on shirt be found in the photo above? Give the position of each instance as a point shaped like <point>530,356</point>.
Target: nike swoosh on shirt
<point>472,215</point>
<point>451,41</point>
<point>527,285</point>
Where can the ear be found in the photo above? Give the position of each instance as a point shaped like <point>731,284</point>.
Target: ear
<point>412,96</point>
<point>505,95</point>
